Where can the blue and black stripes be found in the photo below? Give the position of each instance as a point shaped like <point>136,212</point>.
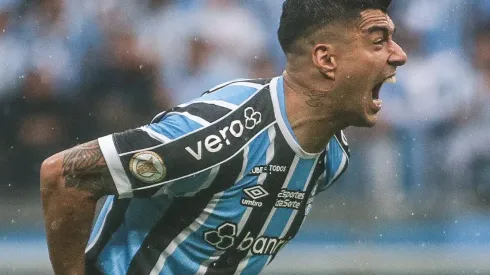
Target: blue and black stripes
<point>209,148</point>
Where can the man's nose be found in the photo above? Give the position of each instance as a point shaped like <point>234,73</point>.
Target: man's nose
<point>398,57</point>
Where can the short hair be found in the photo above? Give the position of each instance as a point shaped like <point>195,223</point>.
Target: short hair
<point>301,18</point>
<point>482,29</point>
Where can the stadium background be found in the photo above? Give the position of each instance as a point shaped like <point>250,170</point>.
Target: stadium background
<point>415,199</point>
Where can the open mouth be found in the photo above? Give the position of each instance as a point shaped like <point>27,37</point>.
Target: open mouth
<point>375,92</point>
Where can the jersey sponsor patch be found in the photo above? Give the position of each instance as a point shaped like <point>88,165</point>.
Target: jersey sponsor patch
<point>225,236</point>
<point>215,142</point>
<point>289,199</point>
<point>254,193</point>
<point>268,169</point>
<point>148,167</point>
<point>212,145</point>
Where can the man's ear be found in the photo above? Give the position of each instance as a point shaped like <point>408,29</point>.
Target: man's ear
<point>324,60</point>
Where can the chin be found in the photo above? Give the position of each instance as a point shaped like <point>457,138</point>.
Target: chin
<point>367,121</point>
<point>371,124</point>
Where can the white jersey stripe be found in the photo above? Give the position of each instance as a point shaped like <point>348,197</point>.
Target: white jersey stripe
<point>282,124</point>
<point>295,211</point>
<point>94,241</point>
<point>163,190</point>
<point>212,175</point>
<point>204,265</point>
<point>155,135</point>
<point>343,163</point>
<point>185,233</point>
<point>269,156</point>
<point>248,84</point>
<point>339,170</point>
<point>197,119</point>
<point>197,172</point>
<point>220,103</point>
<point>245,163</point>
<point>244,261</point>
<point>219,86</point>
<point>206,184</point>
<point>115,166</point>
<point>190,133</point>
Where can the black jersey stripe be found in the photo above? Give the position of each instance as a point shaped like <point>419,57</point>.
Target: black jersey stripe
<point>342,140</point>
<point>227,136</point>
<point>206,111</point>
<point>135,139</point>
<point>180,215</point>
<point>113,220</point>
<point>300,215</point>
<point>284,156</point>
<point>260,81</point>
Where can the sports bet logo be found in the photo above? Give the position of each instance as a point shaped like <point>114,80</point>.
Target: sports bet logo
<point>214,143</point>
<point>289,199</point>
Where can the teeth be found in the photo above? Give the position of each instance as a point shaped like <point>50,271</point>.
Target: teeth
<point>377,102</point>
<point>391,79</point>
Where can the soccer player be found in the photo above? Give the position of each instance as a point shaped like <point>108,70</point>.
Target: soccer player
<point>219,185</point>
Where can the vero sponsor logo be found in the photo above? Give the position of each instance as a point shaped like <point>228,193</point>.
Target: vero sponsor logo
<point>215,142</point>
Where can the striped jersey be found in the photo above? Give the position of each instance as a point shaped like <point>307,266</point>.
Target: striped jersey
<point>218,185</point>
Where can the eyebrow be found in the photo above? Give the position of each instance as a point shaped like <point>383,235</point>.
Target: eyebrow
<point>379,28</point>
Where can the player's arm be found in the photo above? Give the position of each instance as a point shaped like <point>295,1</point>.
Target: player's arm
<point>71,183</point>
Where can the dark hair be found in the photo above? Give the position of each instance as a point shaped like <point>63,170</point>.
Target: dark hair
<point>482,28</point>
<point>300,18</point>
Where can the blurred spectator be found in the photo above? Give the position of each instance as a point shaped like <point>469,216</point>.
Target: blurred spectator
<point>469,151</point>
<point>234,30</point>
<point>58,36</point>
<point>441,23</point>
<point>121,88</point>
<point>205,68</point>
<point>13,53</point>
<point>423,108</point>
<point>40,124</point>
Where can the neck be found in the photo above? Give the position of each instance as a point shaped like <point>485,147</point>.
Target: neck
<point>312,113</point>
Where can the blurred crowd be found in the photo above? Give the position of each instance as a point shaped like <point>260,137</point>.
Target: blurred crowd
<point>71,71</point>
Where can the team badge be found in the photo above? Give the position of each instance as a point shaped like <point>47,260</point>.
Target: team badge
<point>148,167</point>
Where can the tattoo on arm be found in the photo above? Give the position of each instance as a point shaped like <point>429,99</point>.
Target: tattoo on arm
<point>84,168</point>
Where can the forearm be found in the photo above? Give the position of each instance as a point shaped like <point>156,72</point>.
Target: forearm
<point>68,216</point>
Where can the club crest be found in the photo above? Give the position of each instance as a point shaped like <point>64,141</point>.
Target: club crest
<point>148,167</point>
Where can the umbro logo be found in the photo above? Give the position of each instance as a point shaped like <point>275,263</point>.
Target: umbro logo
<point>254,193</point>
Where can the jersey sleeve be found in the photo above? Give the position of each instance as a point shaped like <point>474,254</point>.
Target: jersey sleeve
<point>336,161</point>
<point>163,157</point>
<point>179,152</point>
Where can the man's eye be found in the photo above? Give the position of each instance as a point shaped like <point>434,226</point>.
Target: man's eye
<point>379,41</point>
